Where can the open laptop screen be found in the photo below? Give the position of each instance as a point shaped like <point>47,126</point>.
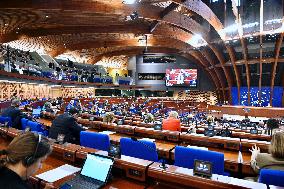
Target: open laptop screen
<point>97,167</point>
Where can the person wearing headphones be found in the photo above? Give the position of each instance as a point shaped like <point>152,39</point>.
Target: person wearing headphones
<point>21,159</point>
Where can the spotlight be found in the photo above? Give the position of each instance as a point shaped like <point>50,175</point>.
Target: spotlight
<point>134,15</point>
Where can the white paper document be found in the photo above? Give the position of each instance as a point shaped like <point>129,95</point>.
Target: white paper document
<point>148,139</point>
<point>107,132</point>
<point>58,173</point>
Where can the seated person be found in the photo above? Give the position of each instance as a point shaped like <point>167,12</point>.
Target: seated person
<point>149,118</point>
<point>15,113</point>
<point>22,159</point>
<point>272,160</point>
<point>172,123</point>
<point>47,107</point>
<point>66,125</point>
<point>70,105</point>
<point>109,118</point>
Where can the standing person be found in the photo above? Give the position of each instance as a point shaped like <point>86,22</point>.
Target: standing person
<point>66,125</point>
<point>21,159</point>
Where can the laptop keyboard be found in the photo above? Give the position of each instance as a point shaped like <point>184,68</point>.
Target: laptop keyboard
<point>83,182</point>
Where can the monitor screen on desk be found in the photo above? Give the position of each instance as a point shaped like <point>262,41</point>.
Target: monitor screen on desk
<point>253,131</point>
<point>202,168</point>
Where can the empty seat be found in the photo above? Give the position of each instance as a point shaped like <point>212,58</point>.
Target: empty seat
<point>271,177</point>
<point>184,157</point>
<point>37,127</point>
<point>139,149</point>
<point>5,120</point>
<point>95,140</point>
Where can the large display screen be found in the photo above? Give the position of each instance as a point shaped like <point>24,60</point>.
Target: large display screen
<point>181,77</point>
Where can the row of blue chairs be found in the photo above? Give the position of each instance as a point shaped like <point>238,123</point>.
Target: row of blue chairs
<point>184,156</point>
<point>6,120</point>
<point>123,82</point>
<point>33,126</point>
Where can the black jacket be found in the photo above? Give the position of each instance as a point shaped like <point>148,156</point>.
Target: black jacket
<point>16,116</point>
<point>67,125</point>
<point>11,180</point>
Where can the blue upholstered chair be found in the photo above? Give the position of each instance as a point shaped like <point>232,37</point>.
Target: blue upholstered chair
<point>37,127</point>
<point>24,123</point>
<point>271,177</point>
<point>184,157</point>
<point>4,120</point>
<point>139,149</point>
<point>95,140</point>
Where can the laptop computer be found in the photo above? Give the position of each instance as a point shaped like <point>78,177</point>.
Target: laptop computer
<point>94,174</point>
<point>36,112</point>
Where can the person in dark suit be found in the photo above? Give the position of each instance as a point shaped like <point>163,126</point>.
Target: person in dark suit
<point>15,114</point>
<point>66,125</point>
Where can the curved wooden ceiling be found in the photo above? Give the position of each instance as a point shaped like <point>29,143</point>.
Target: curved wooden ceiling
<point>98,28</point>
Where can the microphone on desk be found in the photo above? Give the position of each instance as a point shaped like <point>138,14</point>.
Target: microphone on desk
<point>163,165</point>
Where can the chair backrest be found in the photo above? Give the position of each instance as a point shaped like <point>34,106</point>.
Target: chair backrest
<point>34,126</point>
<point>95,140</point>
<point>184,157</point>
<point>4,120</point>
<point>24,123</point>
<point>271,177</point>
<point>139,149</point>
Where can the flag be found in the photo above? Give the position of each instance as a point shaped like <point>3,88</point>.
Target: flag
<point>240,156</point>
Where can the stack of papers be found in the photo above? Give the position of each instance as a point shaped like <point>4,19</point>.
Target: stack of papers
<point>107,132</point>
<point>58,173</point>
<point>148,139</point>
<point>197,147</point>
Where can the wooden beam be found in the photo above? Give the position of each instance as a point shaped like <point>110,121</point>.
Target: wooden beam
<point>232,55</point>
<point>274,66</point>
<point>221,59</point>
<point>209,58</point>
<point>202,63</point>
<point>260,69</point>
<point>245,53</point>
<point>166,11</point>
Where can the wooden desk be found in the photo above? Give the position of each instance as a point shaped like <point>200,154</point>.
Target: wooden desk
<point>183,177</point>
<point>45,122</point>
<point>176,179</point>
<point>165,150</point>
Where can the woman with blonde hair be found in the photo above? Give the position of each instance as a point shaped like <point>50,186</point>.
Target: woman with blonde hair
<point>272,160</point>
<point>108,117</point>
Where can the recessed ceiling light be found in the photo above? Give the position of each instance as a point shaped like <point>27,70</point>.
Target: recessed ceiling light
<point>46,16</point>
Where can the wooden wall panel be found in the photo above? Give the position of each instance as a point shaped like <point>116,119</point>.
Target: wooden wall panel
<point>75,92</point>
<point>209,97</point>
<point>22,90</point>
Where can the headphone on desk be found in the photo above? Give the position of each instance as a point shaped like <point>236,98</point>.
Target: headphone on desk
<point>29,160</point>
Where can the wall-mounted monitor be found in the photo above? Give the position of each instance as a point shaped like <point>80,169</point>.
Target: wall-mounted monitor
<point>181,77</point>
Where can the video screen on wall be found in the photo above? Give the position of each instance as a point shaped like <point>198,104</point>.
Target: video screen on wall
<point>181,77</point>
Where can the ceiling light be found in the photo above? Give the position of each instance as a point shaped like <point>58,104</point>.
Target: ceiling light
<point>197,41</point>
